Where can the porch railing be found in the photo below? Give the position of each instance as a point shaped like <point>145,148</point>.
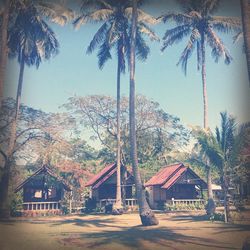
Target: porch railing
<point>50,205</point>
<point>129,202</point>
<point>186,201</point>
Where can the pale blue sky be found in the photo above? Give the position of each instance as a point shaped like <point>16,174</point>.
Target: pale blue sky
<point>73,72</point>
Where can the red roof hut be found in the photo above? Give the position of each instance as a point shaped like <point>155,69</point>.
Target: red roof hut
<point>174,183</point>
<point>103,185</point>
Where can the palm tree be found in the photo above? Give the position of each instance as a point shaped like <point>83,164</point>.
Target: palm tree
<point>245,14</point>
<point>224,150</point>
<point>30,40</point>
<point>115,34</point>
<point>200,25</point>
<point>146,214</point>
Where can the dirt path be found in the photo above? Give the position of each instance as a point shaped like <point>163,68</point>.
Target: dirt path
<point>176,231</point>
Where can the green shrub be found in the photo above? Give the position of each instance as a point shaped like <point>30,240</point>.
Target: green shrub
<point>16,204</point>
<point>217,217</point>
<point>182,206</point>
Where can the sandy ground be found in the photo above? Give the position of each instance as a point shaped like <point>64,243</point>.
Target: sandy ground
<point>107,232</point>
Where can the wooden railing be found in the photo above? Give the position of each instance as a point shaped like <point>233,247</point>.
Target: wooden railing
<point>186,201</point>
<point>129,202</point>
<point>51,205</point>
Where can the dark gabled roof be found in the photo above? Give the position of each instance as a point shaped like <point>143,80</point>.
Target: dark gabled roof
<point>164,174</point>
<point>41,170</point>
<point>104,175</point>
<point>100,175</point>
<point>169,175</point>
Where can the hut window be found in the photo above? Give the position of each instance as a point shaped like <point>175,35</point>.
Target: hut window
<point>38,194</point>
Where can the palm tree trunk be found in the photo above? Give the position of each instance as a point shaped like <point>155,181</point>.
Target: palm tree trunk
<point>4,47</point>
<point>117,208</point>
<point>147,216</point>
<point>225,191</point>
<point>209,183</point>
<point>5,209</point>
<point>204,84</point>
<point>245,14</point>
<point>205,117</point>
<point>211,204</point>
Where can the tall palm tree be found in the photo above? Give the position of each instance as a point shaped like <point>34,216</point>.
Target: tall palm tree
<point>245,14</point>
<point>146,214</point>
<point>200,25</point>
<point>114,33</point>
<point>30,40</point>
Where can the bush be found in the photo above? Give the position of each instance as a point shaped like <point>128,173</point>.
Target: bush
<point>16,205</point>
<point>182,206</point>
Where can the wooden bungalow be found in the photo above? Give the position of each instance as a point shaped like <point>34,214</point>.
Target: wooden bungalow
<point>103,186</point>
<point>175,184</point>
<point>43,190</point>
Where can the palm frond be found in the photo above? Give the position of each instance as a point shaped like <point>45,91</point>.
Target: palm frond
<point>179,18</point>
<point>93,17</point>
<point>175,35</point>
<point>146,30</point>
<point>113,33</point>
<point>217,46</point>
<point>238,36</point>
<point>98,38</point>
<point>226,24</point>
<point>142,49</point>
<point>195,35</point>
<point>87,5</point>
<point>142,16</point>
<point>57,13</point>
<point>103,54</point>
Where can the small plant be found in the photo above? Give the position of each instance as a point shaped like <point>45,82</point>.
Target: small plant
<point>217,217</point>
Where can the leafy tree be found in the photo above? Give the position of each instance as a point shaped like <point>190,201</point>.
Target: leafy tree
<point>115,33</point>
<point>34,129</point>
<point>198,22</point>
<point>159,134</point>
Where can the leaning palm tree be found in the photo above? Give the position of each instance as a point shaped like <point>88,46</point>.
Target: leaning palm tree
<point>30,40</point>
<point>200,25</point>
<point>146,214</point>
<point>245,14</point>
<point>115,33</point>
